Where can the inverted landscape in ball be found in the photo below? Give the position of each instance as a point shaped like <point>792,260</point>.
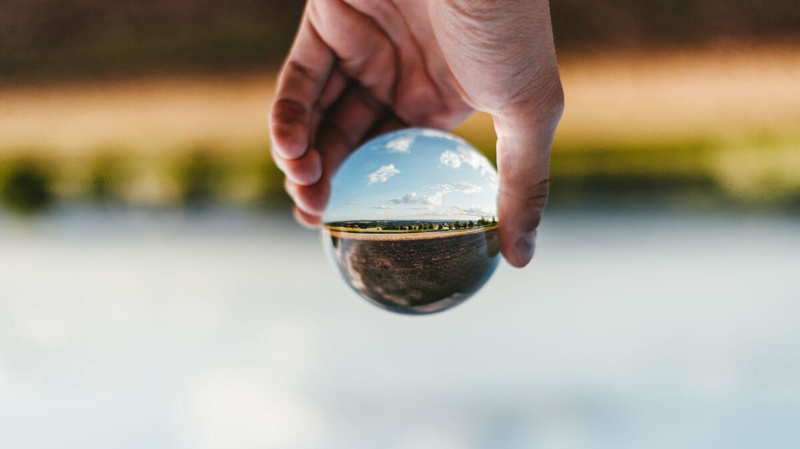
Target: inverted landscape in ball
<point>411,224</point>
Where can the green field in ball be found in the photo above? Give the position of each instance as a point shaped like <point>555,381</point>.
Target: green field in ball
<point>353,231</point>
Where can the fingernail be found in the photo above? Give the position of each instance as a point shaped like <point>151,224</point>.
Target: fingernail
<point>524,247</point>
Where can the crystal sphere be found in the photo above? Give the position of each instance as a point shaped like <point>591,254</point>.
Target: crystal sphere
<point>411,223</point>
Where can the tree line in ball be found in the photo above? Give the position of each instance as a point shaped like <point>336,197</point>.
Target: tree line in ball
<point>410,226</point>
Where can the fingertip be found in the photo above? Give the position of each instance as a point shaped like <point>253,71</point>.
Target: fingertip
<point>310,199</point>
<point>518,249</point>
<point>288,140</point>
<point>289,129</point>
<point>305,171</point>
<point>308,221</point>
<point>520,213</point>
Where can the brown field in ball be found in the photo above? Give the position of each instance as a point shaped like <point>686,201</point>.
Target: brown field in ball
<point>415,273</point>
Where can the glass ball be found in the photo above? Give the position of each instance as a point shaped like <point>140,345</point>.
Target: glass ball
<point>411,224</point>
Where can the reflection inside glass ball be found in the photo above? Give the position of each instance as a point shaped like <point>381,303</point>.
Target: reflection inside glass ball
<point>411,224</point>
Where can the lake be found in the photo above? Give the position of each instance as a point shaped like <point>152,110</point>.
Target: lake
<point>631,329</point>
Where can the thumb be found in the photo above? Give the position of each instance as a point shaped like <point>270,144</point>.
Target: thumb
<point>523,162</point>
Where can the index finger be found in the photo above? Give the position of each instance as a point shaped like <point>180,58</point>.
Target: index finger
<point>300,84</point>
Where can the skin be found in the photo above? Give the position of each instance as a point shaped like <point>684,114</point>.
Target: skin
<point>363,67</point>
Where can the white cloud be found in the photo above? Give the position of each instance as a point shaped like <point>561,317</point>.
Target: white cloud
<point>413,198</point>
<point>466,156</point>
<point>382,174</point>
<point>451,159</point>
<point>460,187</point>
<point>474,211</point>
<point>400,144</point>
<point>381,206</point>
<point>469,212</point>
<point>471,157</point>
<point>436,198</point>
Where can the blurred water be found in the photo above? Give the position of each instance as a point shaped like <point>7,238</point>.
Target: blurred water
<point>228,330</point>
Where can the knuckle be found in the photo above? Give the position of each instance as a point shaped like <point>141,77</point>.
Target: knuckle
<point>531,195</point>
<point>303,72</point>
<point>476,10</point>
<point>553,100</point>
<point>286,110</point>
<point>542,100</point>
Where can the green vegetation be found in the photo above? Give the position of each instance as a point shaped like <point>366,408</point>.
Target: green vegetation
<point>409,226</point>
<point>754,175</point>
<point>193,180</point>
<point>27,187</point>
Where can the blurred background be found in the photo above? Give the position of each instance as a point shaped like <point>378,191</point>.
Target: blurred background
<point>154,291</point>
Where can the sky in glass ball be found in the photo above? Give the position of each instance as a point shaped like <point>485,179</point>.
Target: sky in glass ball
<point>414,174</point>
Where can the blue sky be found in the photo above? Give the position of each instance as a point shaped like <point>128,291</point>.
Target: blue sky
<point>414,174</point>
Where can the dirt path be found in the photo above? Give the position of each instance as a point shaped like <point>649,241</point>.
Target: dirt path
<point>147,116</point>
<point>722,94</point>
<point>609,99</point>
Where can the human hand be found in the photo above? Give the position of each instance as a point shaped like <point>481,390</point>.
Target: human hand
<point>363,67</point>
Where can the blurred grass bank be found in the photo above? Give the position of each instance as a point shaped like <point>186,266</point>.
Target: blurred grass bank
<point>676,128</point>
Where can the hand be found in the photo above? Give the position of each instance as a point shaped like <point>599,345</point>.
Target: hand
<point>363,67</point>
